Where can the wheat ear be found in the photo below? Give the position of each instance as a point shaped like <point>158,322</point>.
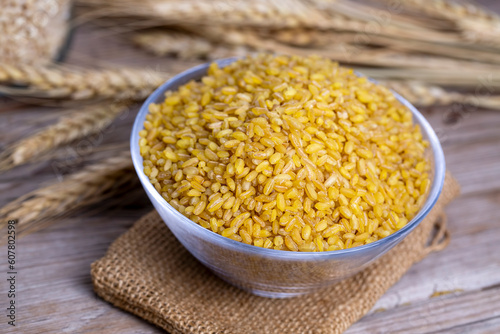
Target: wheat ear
<point>164,42</point>
<point>93,184</point>
<point>184,45</point>
<point>64,82</point>
<point>77,124</point>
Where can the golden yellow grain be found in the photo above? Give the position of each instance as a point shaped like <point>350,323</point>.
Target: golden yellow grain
<point>333,162</point>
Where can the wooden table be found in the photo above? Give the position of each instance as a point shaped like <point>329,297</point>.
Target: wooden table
<point>453,291</point>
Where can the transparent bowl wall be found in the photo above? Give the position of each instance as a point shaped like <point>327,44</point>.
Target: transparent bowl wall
<point>269,272</point>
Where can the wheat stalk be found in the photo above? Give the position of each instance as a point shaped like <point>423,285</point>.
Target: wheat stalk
<point>481,32</point>
<point>77,124</point>
<point>370,13</point>
<point>260,14</point>
<point>257,13</point>
<point>64,82</point>
<point>435,76</point>
<point>341,46</point>
<point>349,54</point>
<point>93,184</point>
<point>163,42</point>
<point>424,95</point>
<point>476,24</point>
<point>323,39</point>
<point>320,15</point>
<point>452,9</point>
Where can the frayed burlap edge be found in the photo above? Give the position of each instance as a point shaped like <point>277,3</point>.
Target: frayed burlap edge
<point>148,273</point>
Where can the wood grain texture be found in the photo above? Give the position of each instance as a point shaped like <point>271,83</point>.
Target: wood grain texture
<point>54,288</point>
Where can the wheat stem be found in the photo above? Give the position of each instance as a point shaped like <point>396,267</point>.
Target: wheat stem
<point>424,95</point>
<point>350,54</point>
<point>323,39</point>
<point>441,77</point>
<point>262,14</point>
<point>257,13</point>
<point>476,24</point>
<point>452,9</point>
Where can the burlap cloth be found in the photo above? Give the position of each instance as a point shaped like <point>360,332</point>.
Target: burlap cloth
<point>148,272</point>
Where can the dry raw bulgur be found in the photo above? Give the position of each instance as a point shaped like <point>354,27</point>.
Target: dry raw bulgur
<point>287,152</point>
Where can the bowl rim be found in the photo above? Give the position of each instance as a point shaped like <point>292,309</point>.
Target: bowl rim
<point>197,72</point>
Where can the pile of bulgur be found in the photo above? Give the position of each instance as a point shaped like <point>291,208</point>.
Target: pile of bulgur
<point>289,153</point>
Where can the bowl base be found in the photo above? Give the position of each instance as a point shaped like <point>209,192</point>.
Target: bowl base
<point>267,292</point>
<point>273,294</point>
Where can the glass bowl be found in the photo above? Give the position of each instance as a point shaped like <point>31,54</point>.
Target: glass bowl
<point>269,272</point>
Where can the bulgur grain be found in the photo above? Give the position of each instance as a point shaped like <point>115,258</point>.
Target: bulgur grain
<point>289,153</point>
